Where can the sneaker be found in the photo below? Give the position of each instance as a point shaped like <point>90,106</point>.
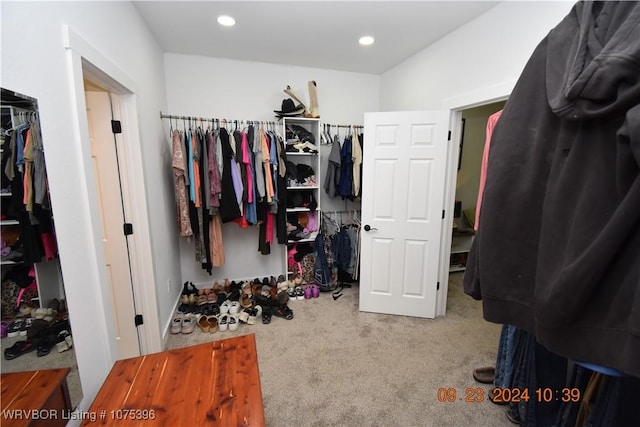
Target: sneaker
<point>233,322</point>
<point>234,307</point>
<point>188,325</point>
<point>223,322</point>
<point>224,307</point>
<point>15,327</point>
<point>299,293</point>
<point>25,326</point>
<point>64,341</point>
<point>292,294</point>
<point>176,325</point>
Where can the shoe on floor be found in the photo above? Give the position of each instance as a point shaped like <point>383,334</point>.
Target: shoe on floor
<point>283,311</point>
<point>484,375</point>
<point>176,325</point>
<point>18,349</point>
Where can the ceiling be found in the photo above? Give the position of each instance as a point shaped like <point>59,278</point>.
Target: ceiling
<point>316,34</point>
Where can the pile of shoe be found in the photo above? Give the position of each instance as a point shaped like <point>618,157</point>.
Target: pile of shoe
<point>42,336</point>
<point>297,290</point>
<point>224,306</point>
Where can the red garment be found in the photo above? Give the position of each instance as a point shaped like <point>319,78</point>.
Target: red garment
<point>50,245</point>
<point>491,124</point>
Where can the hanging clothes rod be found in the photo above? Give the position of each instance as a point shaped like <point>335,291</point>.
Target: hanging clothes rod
<point>344,126</point>
<point>215,120</point>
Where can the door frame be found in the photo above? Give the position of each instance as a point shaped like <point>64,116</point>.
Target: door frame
<point>87,61</point>
<point>456,105</point>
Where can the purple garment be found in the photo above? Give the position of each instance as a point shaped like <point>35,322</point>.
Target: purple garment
<point>237,181</point>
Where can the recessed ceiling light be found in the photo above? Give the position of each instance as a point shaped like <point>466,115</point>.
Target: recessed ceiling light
<point>366,40</point>
<point>226,20</point>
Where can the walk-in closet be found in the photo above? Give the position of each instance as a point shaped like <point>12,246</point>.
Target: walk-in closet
<point>36,331</point>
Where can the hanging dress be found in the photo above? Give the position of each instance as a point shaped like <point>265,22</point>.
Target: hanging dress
<point>229,209</point>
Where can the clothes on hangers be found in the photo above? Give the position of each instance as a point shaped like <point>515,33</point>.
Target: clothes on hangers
<point>223,176</point>
<point>332,177</point>
<point>24,177</point>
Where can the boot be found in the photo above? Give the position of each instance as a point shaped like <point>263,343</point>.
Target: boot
<point>313,100</point>
<point>295,96</point>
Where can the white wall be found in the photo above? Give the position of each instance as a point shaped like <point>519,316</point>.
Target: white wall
<point>35,63</point>
<point>486,55</point>
<point>222,88</point>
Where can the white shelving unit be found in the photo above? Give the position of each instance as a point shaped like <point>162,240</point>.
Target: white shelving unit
<point>460,246</point>
<point>309,159</point>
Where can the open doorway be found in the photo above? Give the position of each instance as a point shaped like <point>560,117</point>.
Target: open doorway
<point>472,142</point>
<point>106,157</point>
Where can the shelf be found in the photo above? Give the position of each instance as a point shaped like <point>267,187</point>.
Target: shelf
<point>9,222</point>
<point>297,153</point>
<point>304,187</point>
<point>290,210</point>
<point>461,244</point>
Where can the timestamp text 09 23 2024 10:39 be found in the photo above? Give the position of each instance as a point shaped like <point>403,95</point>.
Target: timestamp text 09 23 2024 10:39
<point>507,395</point>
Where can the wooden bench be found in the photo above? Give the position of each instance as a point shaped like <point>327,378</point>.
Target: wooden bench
<point>217,383</point>
<point>35,398</point>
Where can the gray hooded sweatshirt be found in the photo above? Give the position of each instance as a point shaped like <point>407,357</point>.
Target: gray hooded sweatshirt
<point>557,251</point>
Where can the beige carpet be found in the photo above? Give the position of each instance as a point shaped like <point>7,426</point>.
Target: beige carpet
<point>335,366</point>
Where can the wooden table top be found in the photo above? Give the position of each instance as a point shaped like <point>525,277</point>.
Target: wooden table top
<point>216,383</point>
<point>30,390</point>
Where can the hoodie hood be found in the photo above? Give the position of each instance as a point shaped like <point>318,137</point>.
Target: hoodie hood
<point>593,60</point>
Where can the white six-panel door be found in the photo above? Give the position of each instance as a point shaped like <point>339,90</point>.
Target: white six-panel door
<point>403,183</point>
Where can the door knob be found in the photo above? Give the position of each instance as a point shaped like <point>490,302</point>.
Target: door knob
<point>367,227</point>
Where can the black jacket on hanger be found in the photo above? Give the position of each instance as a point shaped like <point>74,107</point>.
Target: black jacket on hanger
<point>557,251</point>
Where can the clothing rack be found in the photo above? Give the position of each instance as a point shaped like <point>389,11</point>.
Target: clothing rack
<point>219,121</point>
<point>344,126</point>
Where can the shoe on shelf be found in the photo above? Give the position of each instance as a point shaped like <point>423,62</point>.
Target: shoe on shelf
<point>213,324</point>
